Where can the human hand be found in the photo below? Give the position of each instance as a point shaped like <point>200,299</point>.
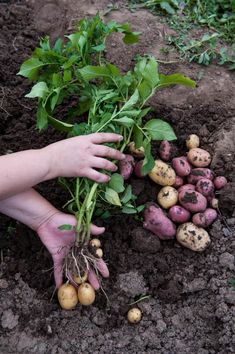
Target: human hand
<point>58,243</point>
<point>81,156</point>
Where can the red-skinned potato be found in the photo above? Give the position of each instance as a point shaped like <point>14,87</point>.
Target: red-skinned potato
<point>157,222</point>
<point>199,157</point>
<point>178,214</point>
<point>199,219</point>
<point>178,182</point>
<point>181,166</point>
<point>210,215</point>
<point>138,167</point>
<point>187,187</point>
<point>192,201</point>
<point>220,182</point>
<point>165,150</point>
<point>126,166</point>
<point>199,173</point>
<point>206,187</point>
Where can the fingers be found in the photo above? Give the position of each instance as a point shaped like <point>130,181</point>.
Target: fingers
<point>58,273</point>
<point>98,162</point>
<point>97,176</point>
<point>100,138</point>
<point>96,230</point>
<point>105,151</point>
<point>93,280</point>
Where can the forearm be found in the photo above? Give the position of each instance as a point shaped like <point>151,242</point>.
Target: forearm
<point>28,207</point>
<point>23,170</point>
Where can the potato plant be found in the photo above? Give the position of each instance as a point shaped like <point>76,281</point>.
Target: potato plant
<point>98,98</point>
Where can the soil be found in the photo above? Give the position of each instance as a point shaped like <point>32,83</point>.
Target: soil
<point>190,308</point>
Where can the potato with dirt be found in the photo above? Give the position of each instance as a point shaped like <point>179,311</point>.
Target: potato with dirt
<point>158,223</point>
<point>193,201</point>
<point>162,174</point>
<point>165,150</point>
<point>167,197</point>
<point>199,173</point>
<point>136,152</point>
<point>205,219</point>
<point>220,182</point>
<point>178,182</point>
<point>86,294</point>
<point>181,166</point>
<point>192,141</point>
<point>199,157</point>
<point>126,167</point>
<point>138,169</point>
<point>206,187</point>
<point>67,296</point>
<point>195,238</point>
<point>179,214</point>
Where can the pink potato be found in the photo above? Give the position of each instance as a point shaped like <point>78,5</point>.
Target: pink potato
<point>178,182</point>
<point>206,187</point>
<point>187,187</point>
<point>220,182</point>
<point>210,215</point>
<point>199,173</point>
<point>178,214</point>
<point>157,222</point>
<point>199,219</point>
<point>181,166</point>
<point>126,166</point>
<point>193,201</point>
<point>165,150</point>
<point>138,167</point>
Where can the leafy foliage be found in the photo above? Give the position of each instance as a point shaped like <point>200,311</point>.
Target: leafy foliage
<point>107,101</point>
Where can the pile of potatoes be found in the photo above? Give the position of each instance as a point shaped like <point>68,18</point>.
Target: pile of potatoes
<point>186,202</point>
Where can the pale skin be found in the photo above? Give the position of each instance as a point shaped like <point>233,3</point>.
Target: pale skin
<point>74,157</point>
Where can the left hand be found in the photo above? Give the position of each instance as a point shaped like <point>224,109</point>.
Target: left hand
<point>58,243</point>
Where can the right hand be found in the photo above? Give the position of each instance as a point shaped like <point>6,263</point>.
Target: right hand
<point>81,156</point>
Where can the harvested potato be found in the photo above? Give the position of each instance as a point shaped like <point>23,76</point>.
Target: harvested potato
<point>206,187</point>
<point>67,296</point>
<point>220,182</point>
<point>178,214</point>
<point>210,215</point>
<point>126,166</point>
<point>199,219</point>
<point>192,141</point>
<point>181,166</point>
<point>79,279</point>
<point>178,182</point>
<point>138,167</point>
<point>199,173</point>
<point>187,187</point>
<point>99,253</point>
<point>193,237</point>
<point>165,150</point>
<point>158,223</point>
<point>199,157</point>
<point>162,174</point>
<point>193,201</point>
<point>95,242</point>
<point>136,152</point>
<point>86,294</point>
<point>167,197</point>
<point>134,315</point>
<point>214,203</point>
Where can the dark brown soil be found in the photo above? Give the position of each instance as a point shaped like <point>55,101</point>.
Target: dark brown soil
<point>191,309</point>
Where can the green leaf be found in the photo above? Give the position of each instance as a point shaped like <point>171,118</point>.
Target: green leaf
<point>129,210</point>
<point>38,90</point>
<point>99,48</point>
<point>91,72</point>
<point>167,7</point>
<point>67,75</point>
<point>116,183</point>
<point>127,195</point>
<point>144,90</point>
<point>59,125</point>
<point>137,137</point>
<point>131,38</point>
<point>42,118</point>
<point>149,162</point>
<point>71,61</point>
<point>112,197</point>
<point>150,72</point>
<point>30,68</point>
<point>127,122</point>
<point>160,130</point>
<point>54,98</point>
<point>140,208</point>
<point>66,227</point>
<point>132,101</point>
<point>176,79</point>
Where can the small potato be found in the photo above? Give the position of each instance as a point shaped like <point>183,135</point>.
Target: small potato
<point>86,294</point>
<point>192,201</point>
<point>138,153</point>
<point>162,174</point>
<point>187,187</point>
<point>192,141</point>
<point>199,157</point>
<point>134,315</point>
<point>165,150</point>
<point>158,223</point>
<point>220,182</point>
<point>95,242</point>
<point>206,187</point>
<point>181,166</point>
<point>214,203</point>
<point>178,182</point>
<point>79,279</point>
<point>178,214</point>
<point>67,296</point>
<point>138,167</point>
<point>210,215</point>
<point>199,219</point>
<point>199,173</point>
<point>167,197</point>
<point>126,167</point>
<point>193,237</point>
<point>99,253</point>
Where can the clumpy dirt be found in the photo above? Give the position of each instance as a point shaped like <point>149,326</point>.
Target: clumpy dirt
<point>190,308</point>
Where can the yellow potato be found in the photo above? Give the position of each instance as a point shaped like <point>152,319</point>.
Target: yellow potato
<point>193,237</point>
<point>162,174</point>
<point>134,315</point>
<point>139,153</point>
<point>67,296</point>
<point>99,253</point>
<point>199,157</point>
<point>95,242</point>
<point>167,197</point>
<point>80,279</point>
<point>192,141</point>
<point>86,294</point>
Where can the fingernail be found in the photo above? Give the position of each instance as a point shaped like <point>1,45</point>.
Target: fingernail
<point>123,156</point>
<point>120,137</point>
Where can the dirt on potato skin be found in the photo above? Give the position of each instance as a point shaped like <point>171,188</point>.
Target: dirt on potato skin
<point>191,309</point>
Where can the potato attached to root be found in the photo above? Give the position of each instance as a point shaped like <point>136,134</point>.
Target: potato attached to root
<point>162,174</point>
<point>67,296</point>
<point>80,278</point>
<point>86,294</point>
